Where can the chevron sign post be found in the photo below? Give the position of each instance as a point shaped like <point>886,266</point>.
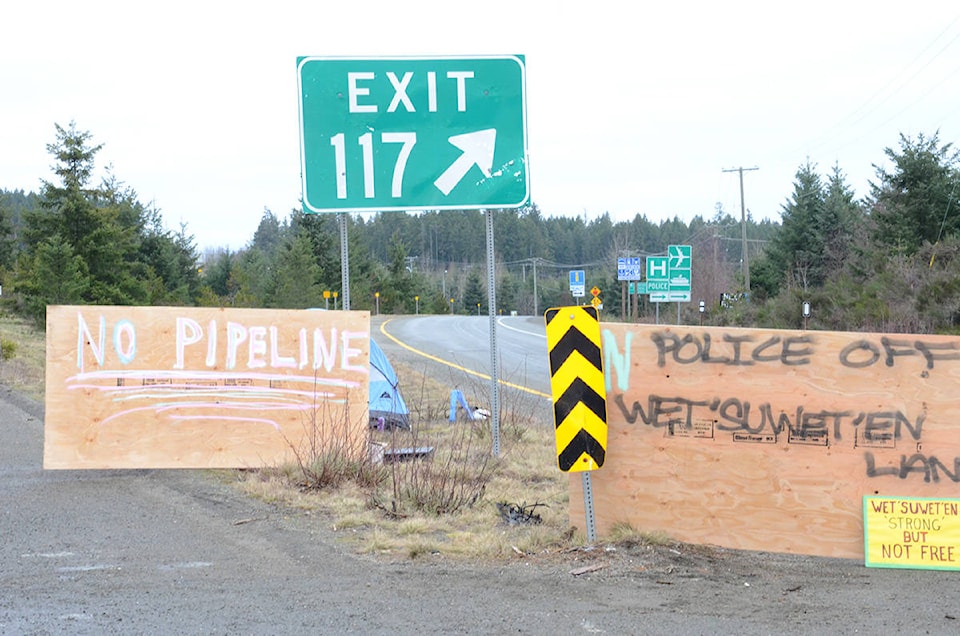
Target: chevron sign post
<point>579,396</point>
<point>576,380</point>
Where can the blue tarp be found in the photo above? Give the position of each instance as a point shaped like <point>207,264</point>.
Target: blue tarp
<point>387,408</point>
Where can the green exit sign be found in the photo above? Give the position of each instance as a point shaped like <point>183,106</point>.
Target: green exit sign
<point>413,133</point>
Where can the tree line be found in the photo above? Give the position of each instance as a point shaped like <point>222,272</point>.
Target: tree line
<point>887,262</point>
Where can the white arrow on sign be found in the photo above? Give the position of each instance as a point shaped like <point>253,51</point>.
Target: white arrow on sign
<point>477,149</point>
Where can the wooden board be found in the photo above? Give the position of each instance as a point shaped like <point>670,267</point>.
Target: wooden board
<point>178,387</point>
<point>768,440</point>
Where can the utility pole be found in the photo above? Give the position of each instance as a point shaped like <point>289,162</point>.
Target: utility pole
<point>745,261</point>
<point>536,308</point>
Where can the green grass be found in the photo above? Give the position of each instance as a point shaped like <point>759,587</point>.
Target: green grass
<point>24,371</point>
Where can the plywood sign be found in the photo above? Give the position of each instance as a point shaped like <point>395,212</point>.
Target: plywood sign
<point>769,440</point>
<point>177,387</point>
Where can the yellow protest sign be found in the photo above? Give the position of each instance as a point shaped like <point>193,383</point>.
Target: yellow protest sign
<point>911,532</point>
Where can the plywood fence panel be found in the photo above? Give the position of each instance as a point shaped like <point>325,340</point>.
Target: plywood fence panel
<point>184,387</point>
<point>767,439</point>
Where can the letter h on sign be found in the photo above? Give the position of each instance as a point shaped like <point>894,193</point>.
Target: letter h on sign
<point>657,267</point>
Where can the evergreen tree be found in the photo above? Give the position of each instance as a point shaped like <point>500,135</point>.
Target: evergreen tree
<point>397,292</point>
<point>323,231</point>
<point>67,209</point>
<point>18,204</point>
<point>217,275</point>
<point>267,236</point>
<point>531,230</point>
<point>644,235</point>
<point>366,273</point>
<point>796,254</point>
<point>252,278</point>
<point>56,277</point>
<point>166,263</point>
<point>296,285</point>
<point>473,293</point>
<point>183,284</point>
<point>672,232</point>
<point>841,217</point>
<point>911,203</point>
<point>436,303</point>
<point>127,257</point>
<point>507,289</point>
<point>7,237</point>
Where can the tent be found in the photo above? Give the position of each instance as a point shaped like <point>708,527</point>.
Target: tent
<point>387,408</point>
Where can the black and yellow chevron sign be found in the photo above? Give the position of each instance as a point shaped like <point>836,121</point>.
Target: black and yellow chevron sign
<point>576,380</point>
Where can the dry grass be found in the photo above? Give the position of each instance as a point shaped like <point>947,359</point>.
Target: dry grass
<point>625,535</point>
<point>380,521</point>
<point>24,371</point>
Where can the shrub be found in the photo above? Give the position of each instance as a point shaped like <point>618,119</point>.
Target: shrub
<point>454,477</point>
<point>331,454</point>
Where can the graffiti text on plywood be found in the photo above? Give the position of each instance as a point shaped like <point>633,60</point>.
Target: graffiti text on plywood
<point>198,380</point>
<point>876,393</point>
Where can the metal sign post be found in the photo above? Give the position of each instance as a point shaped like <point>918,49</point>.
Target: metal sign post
<point>492,312</point>
<point>344,261</point>
<point>591,517</point>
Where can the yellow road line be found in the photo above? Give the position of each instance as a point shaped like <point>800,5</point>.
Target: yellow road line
<point>383,330</point>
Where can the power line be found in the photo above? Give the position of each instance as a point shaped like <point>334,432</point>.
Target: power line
<point>866,106</point>
<point>855,125</point>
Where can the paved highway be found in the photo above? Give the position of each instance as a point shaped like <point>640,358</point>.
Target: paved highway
<point>461,345</point>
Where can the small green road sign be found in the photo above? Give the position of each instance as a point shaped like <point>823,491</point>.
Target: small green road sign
<point>658,270</point>
<point>668,277</point>
<point>679,257</point>
<point>413,133</point>
<point>657,286</point>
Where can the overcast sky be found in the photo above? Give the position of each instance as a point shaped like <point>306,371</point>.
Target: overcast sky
<point>631,109</point>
